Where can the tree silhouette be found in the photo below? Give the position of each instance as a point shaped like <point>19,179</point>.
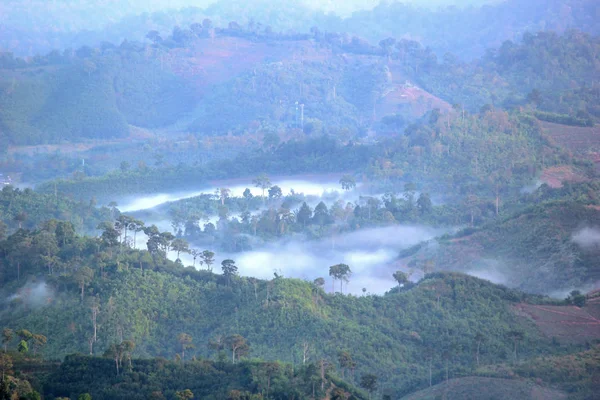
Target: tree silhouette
<point>341,272</point>
<point>263,182</point>
<point>401,278</point>
<point>208,258</point>
<point>369,383</point>
<point>348,182</point>
<point>229,269</point>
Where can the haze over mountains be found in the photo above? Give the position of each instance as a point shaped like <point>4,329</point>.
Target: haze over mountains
<point>235,200</point>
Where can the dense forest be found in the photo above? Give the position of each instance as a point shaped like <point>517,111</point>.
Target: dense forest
<point>298,200</point>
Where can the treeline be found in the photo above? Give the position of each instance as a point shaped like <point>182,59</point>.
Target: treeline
<point>319,154</point>
<point>200,379</point>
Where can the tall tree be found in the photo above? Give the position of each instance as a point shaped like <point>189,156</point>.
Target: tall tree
<point>208,258</point>
<point>516,336</point>
<point>238,345</point>
<point>263,182</point>
<point>229,269</point>
<point>341,272</point>
<point>185,341</point>
<point>304,215</point>
<point>180,246</point>
<point>83,276</point>
<point>7,336</point>
<point>401,278</point>
<point>5,365</point>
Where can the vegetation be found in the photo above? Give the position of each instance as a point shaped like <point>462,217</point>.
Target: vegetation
<point>485,147</point>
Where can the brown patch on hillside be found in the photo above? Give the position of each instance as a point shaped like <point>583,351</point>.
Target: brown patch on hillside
<point>565,323</point>
<point>582,141</point>
<point>555,176</point>
<point>402,94</point>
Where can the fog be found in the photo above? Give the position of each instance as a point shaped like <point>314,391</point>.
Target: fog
<point>309,185</point>
<point>32,294</point>
<point>587,237</point>
<point>370,253</point>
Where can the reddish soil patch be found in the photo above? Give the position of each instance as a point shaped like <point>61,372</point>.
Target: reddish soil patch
<point>582,141</point>
<point>555,176</point>
<point>403,93</point>
<point>565,323</point>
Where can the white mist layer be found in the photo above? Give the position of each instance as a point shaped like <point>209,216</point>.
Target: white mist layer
<point>587,237</point>
<point>370,253</point>
<point>237,187</point>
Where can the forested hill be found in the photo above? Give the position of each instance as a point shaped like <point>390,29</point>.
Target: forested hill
<point>206,80</point>
<point>86,294</point>
<point>467,31</point>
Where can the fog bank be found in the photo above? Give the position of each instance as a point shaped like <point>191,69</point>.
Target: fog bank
<point>370,253</point>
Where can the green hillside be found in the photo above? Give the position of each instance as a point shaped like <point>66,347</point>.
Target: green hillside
<point>533,249</point>
<point>142,297</point>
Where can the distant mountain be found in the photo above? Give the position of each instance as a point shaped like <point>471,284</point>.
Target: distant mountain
<point>466,31</point>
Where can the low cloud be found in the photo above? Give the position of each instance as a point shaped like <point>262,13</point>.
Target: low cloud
<point>33,294</point>
<point>587,237</point>
<point>370,253</point>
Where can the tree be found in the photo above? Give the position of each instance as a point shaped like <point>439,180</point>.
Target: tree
<point>346,362</point>
<point>229,269</point>
<point>321,216</point>
<point>5,364</point>
<point>275,192</point>
<point>238,345</point>
<point>83,277</point>
<point>23,347</point>
<point>341,272</point>
<point>223,194</point>
<point>38,342</point>
<point>185,341</point>
<point>247,195</point>
<point>84,396</point>
<point>348,182</point>
<point>401,278</point>
<point>479,338</point>
<point>208,258</point>
<point>369,383</point>
<point>263,182</point>
<point>424,204</point>
<point>516,336</point>
<point>180,246</point>
<point>7,336</point>
<point>127,348</point>
<point>304,215</point>
<point>186,394</point>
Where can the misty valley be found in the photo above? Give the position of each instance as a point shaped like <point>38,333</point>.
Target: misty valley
<point>306,199</point>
